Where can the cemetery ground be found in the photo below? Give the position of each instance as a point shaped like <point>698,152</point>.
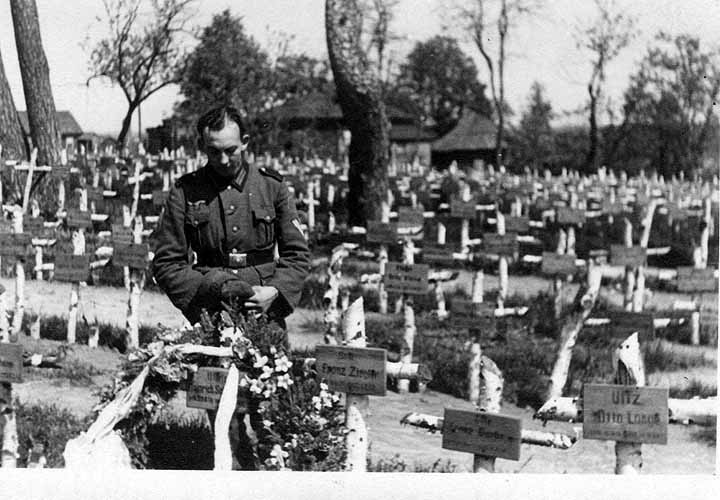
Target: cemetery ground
<point>72,390</point>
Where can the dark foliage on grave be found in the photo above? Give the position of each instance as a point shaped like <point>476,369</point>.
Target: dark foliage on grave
<point>303,422</point>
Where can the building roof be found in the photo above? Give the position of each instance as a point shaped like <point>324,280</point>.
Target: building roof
<point>402,132</point>
<point>66,123</point>
<point>319,105</point>
<point>473,132</point>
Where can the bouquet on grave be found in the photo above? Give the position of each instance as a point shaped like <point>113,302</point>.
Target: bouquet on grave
<point>303,421</point>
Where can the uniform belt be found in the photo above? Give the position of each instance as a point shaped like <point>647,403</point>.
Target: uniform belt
<point>238,260</point>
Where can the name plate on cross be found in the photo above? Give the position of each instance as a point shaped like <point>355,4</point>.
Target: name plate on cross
<point>462,209</point>
<point>625,413</point>
<point>206,388</point>
<point>14,244</point>
<point>134,255</point>
<point>11,363</point>
<point>438,255</point>
<point>481,433</point>
<point>381,232</point>
<point>690,279</point>
<point>410,279</point>
<point>353,370</point>
<point>569,216</point>
<point>121,235</point>
<point>553,263</point>
<point>80,219</point>
<point>517,224</point>
<point>620,255</point>
<point>72,268</point>
<point>500,244</point>
<point>475,315</point>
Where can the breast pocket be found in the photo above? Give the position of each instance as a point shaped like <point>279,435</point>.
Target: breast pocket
<point>264,226</point>
<point>197,218</point>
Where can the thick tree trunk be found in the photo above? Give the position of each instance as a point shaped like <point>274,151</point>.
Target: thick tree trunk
<point>363,110</point>
<point>11,136</point>
<point>36,81</point>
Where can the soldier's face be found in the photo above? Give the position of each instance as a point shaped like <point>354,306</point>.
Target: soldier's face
<point>224,149</point>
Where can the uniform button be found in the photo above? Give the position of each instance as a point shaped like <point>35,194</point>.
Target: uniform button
<point>228,188</point>
<point>235,229</point>
<point>195,223</point>
<point>232,207</point>
<point>267,218</point>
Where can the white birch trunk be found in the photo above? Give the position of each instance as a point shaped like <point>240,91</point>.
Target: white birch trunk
<point>629,371</point>
<point>491,387</point>
<point>502,265</point>
<point>357,437</point>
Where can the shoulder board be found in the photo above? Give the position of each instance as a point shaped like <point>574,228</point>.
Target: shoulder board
<point>271,173</point>
<point>186,177</point>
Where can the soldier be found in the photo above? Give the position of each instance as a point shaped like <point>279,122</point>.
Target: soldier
<point>232,215</point>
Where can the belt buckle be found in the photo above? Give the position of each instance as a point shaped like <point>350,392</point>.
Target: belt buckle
<point>238,259</point>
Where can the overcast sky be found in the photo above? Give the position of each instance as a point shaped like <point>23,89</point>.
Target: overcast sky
<point>541,48</point>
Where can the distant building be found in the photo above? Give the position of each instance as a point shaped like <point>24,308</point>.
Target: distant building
<point>70,131</point>
<point>171,135</point>
<point>472,139</point>
<point>314,124</point>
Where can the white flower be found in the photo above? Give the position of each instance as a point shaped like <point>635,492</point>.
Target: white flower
<point>256,386</point>
<point>267,372</point>
<point>267,423</point>
<point>323,386</point>
<point>244,382</point>
<point>273,350</point>
<point>284,381</point>
<point>317,402</point>
<point>278,452</point>
<point>260,361</point>
<point>282,364</point>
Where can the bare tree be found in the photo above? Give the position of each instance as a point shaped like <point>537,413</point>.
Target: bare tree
<point>143,51</point>
<point>483,26</point>
<point>611,31</point>
<point>11,136</point>
<point>380,15</point>
<point>39,100</point>
<point>358,93</point>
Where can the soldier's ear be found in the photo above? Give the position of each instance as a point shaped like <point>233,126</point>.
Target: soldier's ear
<point>245,140</point>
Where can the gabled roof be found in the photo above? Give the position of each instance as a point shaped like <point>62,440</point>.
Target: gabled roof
<point>472,132</point>
<point>401,132</point>
<point>66,123</point>
<point>319,105</point>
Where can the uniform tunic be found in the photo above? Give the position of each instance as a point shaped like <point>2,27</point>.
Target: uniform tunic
<point>221,219</point>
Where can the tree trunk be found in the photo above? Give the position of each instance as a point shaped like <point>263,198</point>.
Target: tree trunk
<point>39,100</point>
<point>592,156</point>
<point>126,124</point>
<point>11,136</point>
<point>363,110</point>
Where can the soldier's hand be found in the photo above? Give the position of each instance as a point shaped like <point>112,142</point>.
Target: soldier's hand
<point>263,297</point>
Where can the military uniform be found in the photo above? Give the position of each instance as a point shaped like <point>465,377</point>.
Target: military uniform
<point>231,225</point>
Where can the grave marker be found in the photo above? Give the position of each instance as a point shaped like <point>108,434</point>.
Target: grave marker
<point>353,370</point>
<point>482,433</point>
<point>72,268</point>
<point>134,255</point>
<point>80,219</point>
<point>159,197</point>
<point>625,413</point>
<point>569,216</point>
<point>121,235</point>
<point>381,232</point>
<point>12,245</point>
<point>438,255</point>
<point>474,315</point>
<point>620,255</point>
<point>500,244</point>
<point>690,279</point>
<point>517,224</point>
<point>553,263</point>
<point>11,363</point>
<point>410,279</point>
<point>462,209</point>
<point>206,388</point>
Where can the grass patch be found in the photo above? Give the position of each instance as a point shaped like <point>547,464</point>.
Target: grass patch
<point>397,464</point>
<point>72,371</point>
<point>661,355</point>
<point>49,425</point>
<point>694,388</point>
<point>54,327</point>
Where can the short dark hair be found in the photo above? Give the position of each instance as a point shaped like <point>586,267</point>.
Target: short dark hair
<point>215,119</point>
